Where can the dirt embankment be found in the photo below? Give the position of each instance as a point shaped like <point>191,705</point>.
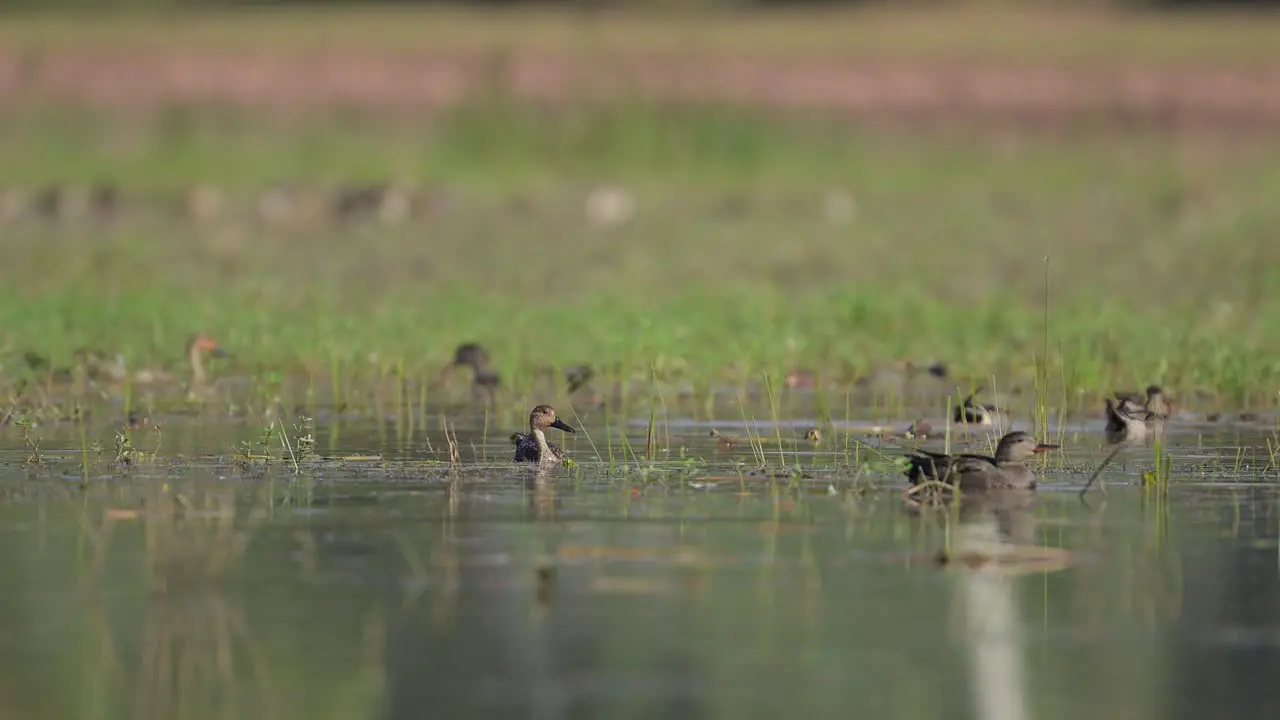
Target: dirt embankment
<point>398,83</point>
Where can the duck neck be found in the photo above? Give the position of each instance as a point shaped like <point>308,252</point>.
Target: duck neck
<point>544,450</point>
<point>196,356</point>
<point>1004,456</point>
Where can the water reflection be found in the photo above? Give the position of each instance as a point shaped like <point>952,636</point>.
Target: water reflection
<point>198,589</point>
<point>993,621</point>
<point>1224,647</point>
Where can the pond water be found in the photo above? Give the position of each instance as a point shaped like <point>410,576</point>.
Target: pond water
<point>194,584</point>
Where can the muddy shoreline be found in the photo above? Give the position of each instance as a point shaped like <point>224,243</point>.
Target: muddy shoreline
<point>398,83</point>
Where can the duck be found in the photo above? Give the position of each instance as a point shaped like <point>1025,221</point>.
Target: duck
<point>901,375</point>
<point>471,354</point>
<point>918,430</point>
<point>578,382</point>
<point>201,202</point>
<point>578,377</point>
<point>485,381</point>
<point>98,365</point>
<point>801,378</point>
<point>1006,470</point>
<point>1153,400</point>
<point>972,413</point>
<point>55,203</point>
<point>534,447</point>
<point>198,346</point>
<point>110,373</point>
<point>387,202</point>
<point>1128,421</point>
<point>1159,405</point>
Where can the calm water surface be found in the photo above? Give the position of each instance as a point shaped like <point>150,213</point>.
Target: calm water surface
<point>194,586</point>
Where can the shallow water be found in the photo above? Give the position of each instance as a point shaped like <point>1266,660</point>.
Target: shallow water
<point>195,584</point>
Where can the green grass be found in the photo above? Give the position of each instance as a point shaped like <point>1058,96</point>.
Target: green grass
<point>482,146</point>
<point>1161,250</point>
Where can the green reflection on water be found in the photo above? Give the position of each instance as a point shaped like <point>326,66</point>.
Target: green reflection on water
<point>192,590</point>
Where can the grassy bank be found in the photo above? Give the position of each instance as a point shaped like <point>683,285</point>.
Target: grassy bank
<point>1157,251</point>
<point>489,146</point>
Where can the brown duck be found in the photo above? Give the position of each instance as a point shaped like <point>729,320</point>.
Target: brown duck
<point>918,430</point>
<point>1007,470</point>
<point>972,413</point>
<point>534,447</point>
<point>1153,400</point>
<point>1128,421</point>
<point>199,345</point>
<point>485,381</point>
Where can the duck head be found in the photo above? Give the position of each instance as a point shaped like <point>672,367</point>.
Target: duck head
<point>201,343</point>
<point>1018,446</point>
<point>544,416</point>
<point>1157,404</point>
<point>471,354</point>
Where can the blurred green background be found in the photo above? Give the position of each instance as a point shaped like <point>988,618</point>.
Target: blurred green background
<point>1007,187</point>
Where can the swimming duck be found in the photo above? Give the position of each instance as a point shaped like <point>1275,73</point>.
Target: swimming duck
<point>534,447</point>
<point>801,379</point>
<point>90,364</point>
<point>388,202</point>
<point>201,202</point>
<point>98,366</point>
<point>901,375</point>
<point>972,413</point>
<point>475,356</point>
<point>471,354</point>
<point>1006,470</point>
<point>198,346</point>
<point>918,430</point>
<point>1153,400</point>
<point>578,382</point>
<point>578,376</point>
<point>1127,421</point>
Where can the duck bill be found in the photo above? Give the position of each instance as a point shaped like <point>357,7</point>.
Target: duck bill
<point>561,425</point>
<point>1045,447</point>
<point>219,353</point>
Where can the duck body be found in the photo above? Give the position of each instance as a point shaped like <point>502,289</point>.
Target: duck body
<point>972,413</point>
<point>1129,422</point>
<point>96,366</point>
<point>903,377</point>
<point>918,430</point>
<point>485,381</point>
<point>527,449</point>
<point>1006,470</point>
<point>578,377</point>
<point>1159,406</point>
<point>1153,400</point>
